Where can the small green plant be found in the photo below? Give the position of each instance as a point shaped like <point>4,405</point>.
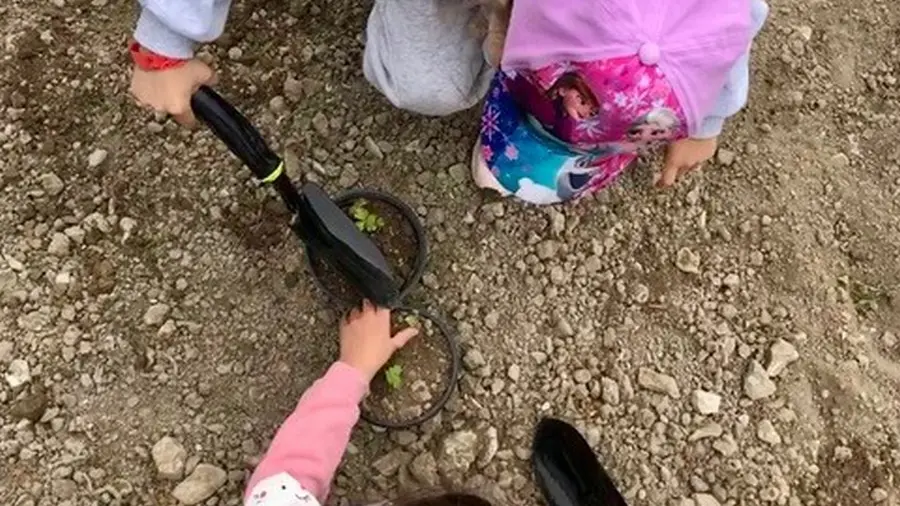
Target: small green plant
<point>394,376</point>
<point>366,220</point>
<point>411,320</point>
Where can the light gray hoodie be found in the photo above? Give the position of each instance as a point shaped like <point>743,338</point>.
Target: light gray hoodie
<point>419,54</point>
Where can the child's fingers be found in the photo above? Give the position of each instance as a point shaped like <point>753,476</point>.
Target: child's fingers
<point>669,174</point>
<point>404,336</point>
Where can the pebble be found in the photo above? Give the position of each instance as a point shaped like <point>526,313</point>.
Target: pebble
<point>59,245</point>
<point>277,104</point>
<point>459,451</point>
<point>373,148</point>
<point>726,445</point>
<point>609,391</point>
<point>490,447</point>
<point>458,172</point>
<point>320,123</point>
<point>547,249</point>
<point>514,372</point>
<point>293,89</point>
<point>424,469</point>
<point>706,500</point>
<point>731,280</point>
<point>582,376</point>
<point>781,354</point>
<point>388,464</point>
<point>756,258</point>
<point>6,349</point>
<point>492,320</point>
<point>170,458</point>
<point>878,494</point>
<point>706,403</point>
<point>156,314</point>
<point>18,373</point>
<point>766,433</point>
<point>757,384</point>
<point>709,430</point>
<point>473,359</point>
<point>31,406</point>
<point>687,261</point>
<point>235,53</point>
<point>658,382</point>
<point>840,161</point>
<point>203,482</point>
<point>52,184</point>
<point>725,157</point>
<point>97,157</point>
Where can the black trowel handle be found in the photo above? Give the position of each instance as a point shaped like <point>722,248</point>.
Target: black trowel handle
<point>236,131</point>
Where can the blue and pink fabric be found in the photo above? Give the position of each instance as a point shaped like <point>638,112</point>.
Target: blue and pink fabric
<point>586,87</point>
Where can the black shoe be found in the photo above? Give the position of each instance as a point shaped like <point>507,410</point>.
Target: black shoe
<point>566,469</point>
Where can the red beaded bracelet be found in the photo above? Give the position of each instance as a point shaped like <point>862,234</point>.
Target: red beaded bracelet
<point>148,60</point>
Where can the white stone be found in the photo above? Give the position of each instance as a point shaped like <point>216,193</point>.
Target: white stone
<point>203,482</point>
<point>169,457</point>
<point>658,382</point>
<point>766,433</point>
<point>757,384</point>
<point>706,403</point>
<point>781,354</point>
<point>96,158</point>
<point>18,373</point>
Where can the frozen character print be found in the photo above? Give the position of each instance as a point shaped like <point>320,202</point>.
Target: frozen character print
<point>576,175</point>
<point>573,97</point>
<point>280,490</point>
<point>651,130</point>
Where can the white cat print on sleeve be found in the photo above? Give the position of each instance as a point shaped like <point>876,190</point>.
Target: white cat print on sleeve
<point>280,490</point>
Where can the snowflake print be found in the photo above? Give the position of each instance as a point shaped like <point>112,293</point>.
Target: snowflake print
<point>511,152</point>
<point>486,152</point>
<point>644,81</point>
<point>591,127</point>
<point>490,123</point>
<point>620,99</point>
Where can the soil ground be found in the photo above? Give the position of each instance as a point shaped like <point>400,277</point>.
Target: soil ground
<point>152,290</point>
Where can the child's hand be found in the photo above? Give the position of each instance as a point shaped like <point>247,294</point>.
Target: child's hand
<point>169,91</point>
<point>366,341</point>
<point>684,156</point>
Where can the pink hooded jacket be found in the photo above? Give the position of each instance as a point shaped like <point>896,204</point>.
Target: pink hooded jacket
<point>301,461</point>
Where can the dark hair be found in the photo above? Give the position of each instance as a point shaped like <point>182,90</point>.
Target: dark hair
<point>445,499</point>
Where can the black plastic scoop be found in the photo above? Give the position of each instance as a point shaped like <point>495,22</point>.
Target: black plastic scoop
<point>317,221</point>
<point>567,471</point>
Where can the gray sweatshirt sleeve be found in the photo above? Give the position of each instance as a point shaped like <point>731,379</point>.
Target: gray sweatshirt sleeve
<point>174,27</point>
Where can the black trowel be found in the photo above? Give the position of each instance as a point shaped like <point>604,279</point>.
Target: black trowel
<point>317,220</point>
<point>567,471</point>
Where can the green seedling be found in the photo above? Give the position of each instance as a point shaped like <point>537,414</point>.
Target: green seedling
<point>394,376</point>
<point>366,220</point>
<point>411,320</point>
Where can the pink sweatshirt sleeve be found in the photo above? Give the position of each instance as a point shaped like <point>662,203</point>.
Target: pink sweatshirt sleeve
<point>303,457</point>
